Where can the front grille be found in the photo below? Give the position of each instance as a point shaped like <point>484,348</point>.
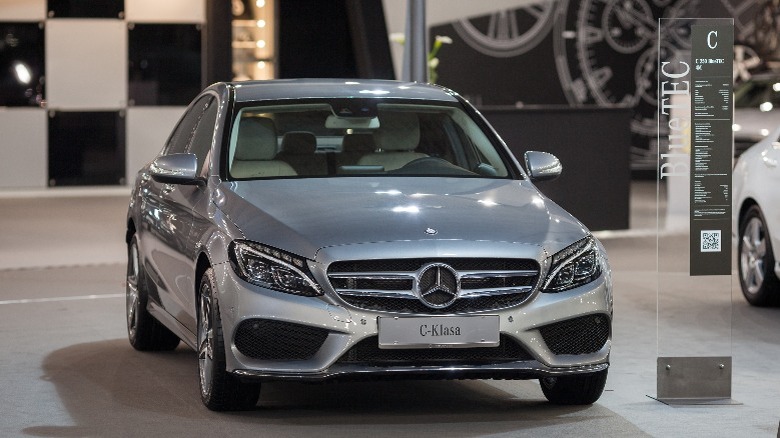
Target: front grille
<point>367,352</point>
<point>394,285</point>
<point>582,335</point>
<point>278,340</point>
<point>463,305</point>
<point>461,264</point>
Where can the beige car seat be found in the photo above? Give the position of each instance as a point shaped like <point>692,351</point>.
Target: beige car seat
<point>256,150</point>
<point>397,138</point>
<point>299,150</point>
<point>354,147</point>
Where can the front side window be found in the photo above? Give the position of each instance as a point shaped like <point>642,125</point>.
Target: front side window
<point>327,139</point>
<point>200,145</point>
<point>180,139</point>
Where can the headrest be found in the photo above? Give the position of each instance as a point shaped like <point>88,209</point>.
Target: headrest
<point>398,131</point>
<point>256,139</point>
<point>358,143</point>
<point>299,143</point>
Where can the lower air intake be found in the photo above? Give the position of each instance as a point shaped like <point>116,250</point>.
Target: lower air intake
<point>582,335</point>
<point>278,340</point>
<point>367,352</point>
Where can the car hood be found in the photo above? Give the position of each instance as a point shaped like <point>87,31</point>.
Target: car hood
<point>305,215</point>
<point>754,124</point>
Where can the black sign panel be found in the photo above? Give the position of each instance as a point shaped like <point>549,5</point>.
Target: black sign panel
<point>711,154</point>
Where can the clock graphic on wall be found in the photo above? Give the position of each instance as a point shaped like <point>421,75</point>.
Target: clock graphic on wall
<point>508,33</point>
<point>606,54</point>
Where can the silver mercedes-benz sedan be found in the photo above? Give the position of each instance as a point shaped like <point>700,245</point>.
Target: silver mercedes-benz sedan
<point>311,230</point>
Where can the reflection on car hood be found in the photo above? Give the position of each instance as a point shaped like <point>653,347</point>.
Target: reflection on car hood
<point>304,215</point>
<point>754,124</point>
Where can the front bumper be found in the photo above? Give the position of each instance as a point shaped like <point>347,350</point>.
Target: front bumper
<point>344,327</point>
<point>531,369</point>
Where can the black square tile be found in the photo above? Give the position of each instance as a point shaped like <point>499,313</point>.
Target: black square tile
<point>86,8</point>
<point>164,63</point>
<point>86,148</point>
<point>22,65</point>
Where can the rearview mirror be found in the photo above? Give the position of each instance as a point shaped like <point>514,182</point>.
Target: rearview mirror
<point>175,169</point>
<point>334,122</point>
<point>542,166</point>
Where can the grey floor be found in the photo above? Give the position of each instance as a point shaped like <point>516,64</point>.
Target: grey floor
<point>68,371</point>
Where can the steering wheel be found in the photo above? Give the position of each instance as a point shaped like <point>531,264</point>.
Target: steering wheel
<point>432,166</point>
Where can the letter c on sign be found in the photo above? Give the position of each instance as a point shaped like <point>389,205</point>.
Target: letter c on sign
<point>710,42</point>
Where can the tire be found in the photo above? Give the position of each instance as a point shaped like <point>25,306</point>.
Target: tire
<point>757,278</point>
<point>219,390</point>
<point>580,389</point>
<point>143,331</point>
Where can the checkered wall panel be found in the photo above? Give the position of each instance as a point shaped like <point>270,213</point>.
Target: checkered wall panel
<point>87,73</point>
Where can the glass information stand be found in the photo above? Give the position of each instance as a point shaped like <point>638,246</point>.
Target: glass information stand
<point>695,150</point>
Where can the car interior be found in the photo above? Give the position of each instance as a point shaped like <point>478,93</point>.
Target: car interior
<point>310,141</point>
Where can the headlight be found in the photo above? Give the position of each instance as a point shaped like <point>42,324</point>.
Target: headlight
<point>272,268</point>
<point>573,266</point>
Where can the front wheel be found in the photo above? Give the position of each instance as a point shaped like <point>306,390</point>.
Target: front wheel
<point>143,331</point>
<point>756,261</point>
<point>219,390</point>
<point>578,389</point>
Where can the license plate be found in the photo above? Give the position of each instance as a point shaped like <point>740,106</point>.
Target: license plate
<point>439,332</point>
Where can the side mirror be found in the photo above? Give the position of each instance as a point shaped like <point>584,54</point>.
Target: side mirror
<point>175,169</point>
<point>542,166</point>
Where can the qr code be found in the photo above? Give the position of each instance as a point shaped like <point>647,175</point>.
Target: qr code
<point>710,241</point>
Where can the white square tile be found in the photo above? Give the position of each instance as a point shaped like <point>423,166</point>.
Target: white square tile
<point>168,11</point>
<point>23,148</point>
<point>86,64</point>
<point>147,130</point>
<point>22,10</point>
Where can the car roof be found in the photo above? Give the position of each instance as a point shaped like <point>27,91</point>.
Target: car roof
<point>278,89</point>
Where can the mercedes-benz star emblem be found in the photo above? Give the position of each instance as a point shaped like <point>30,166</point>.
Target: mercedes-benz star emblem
<point>438,285</point>
<point>430,231</point>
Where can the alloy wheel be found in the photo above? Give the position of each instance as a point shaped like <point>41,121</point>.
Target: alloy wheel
<point>205,340</point>
<point>131,294</point>
<point>751,257</point>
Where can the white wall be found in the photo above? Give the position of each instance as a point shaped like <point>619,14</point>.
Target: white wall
<point>165,11</point>
<point>86,64</point>
<point>23,148</point>
<point>22,10</point>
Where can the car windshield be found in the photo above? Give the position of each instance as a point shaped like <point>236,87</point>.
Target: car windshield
<point>337,139</point>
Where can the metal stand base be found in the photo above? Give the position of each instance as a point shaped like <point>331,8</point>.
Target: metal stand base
<point>696,401</point>
<point>694,381</point>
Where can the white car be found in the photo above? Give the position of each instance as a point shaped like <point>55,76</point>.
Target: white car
<point>757,216</point>
<point>756,106</point>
